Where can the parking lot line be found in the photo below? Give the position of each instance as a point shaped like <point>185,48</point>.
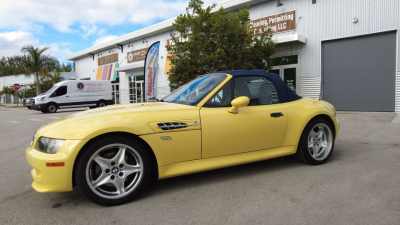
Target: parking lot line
<point>54,117</point>
<point>36,119</point>
<point>12,121</point>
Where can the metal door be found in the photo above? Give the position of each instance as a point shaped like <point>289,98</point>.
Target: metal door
<point>288,73</point>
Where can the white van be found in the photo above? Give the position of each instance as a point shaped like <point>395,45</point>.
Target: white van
<point>75,93</point>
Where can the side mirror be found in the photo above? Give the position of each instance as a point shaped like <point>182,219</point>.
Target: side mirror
<point>238,102</point>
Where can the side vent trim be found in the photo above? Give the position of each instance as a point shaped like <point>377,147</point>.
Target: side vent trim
<point>175,126</point>
<point>171,125</point>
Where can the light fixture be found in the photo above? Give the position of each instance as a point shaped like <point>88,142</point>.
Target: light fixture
<point>121,47</point>
<point>91,55</point>
<point>144,41</point>
<point>279,3</point>
<point>355,20</point>
<point>172,33</point>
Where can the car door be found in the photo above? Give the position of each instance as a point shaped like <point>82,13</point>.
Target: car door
<point>60,96</point>
<point>260,125</point>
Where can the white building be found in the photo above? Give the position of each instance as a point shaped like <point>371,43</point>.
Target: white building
<point>344,51</point>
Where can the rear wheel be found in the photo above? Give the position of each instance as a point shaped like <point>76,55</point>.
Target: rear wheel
<point>101,104</point>
<point>316,143</point>
<point>51,108</point>
<point>113,170</point>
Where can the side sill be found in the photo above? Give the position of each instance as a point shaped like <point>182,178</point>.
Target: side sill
<point>201,165</point>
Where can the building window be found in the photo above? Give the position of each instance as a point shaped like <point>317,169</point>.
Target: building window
<point>285,60</point>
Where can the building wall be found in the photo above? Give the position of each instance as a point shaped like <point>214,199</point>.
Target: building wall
<point>330,20</point>
<point>327,20</point>
<point>9,81</point>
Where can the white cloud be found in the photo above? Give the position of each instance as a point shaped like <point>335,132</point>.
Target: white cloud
<point>62,15</point>
<point>12,42</point>
<point>103,40</point>
<point>58,50</point>
<point>88,30</point>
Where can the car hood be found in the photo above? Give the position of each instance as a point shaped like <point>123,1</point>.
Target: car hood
<point>132,118</point>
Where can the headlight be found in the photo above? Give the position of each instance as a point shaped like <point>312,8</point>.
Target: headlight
<point>33,138</point>
<point>41,98</point>
<point>49,145</point>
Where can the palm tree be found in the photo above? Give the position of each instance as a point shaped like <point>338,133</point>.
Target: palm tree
<point>8,91</point>
<point>34,62</point>
<point>56,77</point>
<point>21,95</point>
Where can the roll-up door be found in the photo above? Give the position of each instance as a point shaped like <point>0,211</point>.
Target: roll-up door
<point>358,74</point>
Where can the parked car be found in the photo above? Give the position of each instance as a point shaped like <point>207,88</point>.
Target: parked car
<point>75,93</point>
<point>218,120</point>
<point>27,102</point>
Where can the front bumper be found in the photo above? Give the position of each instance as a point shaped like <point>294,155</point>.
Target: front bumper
<point>38,106</point>
<point>48,178</point>
<point>337,125</point>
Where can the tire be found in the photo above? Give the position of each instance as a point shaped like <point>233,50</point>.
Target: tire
<point>316,143</point>
<point>29,107</point>
<point>92,107</point>
<point>43,111</point>
<point>101,172</point>
<point>51,108</point>
<point>101,104</point>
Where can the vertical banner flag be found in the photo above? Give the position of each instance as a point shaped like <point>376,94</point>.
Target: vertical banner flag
<point>150,71</point>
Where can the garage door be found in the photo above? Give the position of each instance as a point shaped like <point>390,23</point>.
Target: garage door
<point>358,74</point>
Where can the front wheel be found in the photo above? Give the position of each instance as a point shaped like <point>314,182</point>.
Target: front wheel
<point>51,108</point>
<point>113,170</point>
<point>316,143</point>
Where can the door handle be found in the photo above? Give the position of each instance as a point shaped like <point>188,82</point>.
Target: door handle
<point>277,114</point>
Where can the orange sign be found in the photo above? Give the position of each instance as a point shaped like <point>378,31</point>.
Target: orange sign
<point>277,23</point>
<point>137,55</point>
<point>108,59</point>
<point>170,42</point>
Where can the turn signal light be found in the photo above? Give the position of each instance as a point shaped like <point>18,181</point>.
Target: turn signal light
<point>55,164</point>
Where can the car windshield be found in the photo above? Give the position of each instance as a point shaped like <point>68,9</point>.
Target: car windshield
<point>193,92</point>
<point>50,90</point>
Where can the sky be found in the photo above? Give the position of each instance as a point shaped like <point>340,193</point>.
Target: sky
<point>67,27</point>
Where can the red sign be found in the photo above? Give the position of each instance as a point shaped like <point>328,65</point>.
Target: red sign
<point>16,86</point>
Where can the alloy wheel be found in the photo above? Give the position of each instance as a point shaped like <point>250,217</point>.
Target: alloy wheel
<point>114,171</point>
<point>320,141</point>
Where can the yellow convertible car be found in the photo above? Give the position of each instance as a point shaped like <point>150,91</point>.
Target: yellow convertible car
<point>218,120</point>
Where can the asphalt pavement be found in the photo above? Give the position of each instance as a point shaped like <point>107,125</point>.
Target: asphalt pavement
<point>358,185</point>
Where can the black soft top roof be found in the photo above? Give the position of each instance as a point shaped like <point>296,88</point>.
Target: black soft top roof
<point>285,94</point>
